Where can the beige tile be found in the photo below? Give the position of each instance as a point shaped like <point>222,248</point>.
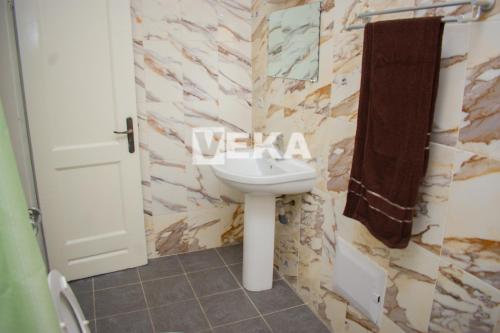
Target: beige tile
<point>199,20</point>
<point>388,4</point>
<point>139,68</point>
<point>196,230</point>
<point>168,235</point>
<point>161,20</point>
<point>356,233</point>
<point>286,242</point>
<point>451,84</point>
<point>332,310</point>
<point>330,148</point>
<point>163,71</point>
<point>463,303</point>
<point>356,322</point>
<point>167,132</point>
<point>232,219</point>
<point>411,269</point>
<point>472,238</point>
<point>203,188</point>
<point>150,236</point>
<point>236,111</point>
<point>234,20</point>
<point>136,16</point>
<point>235,72</point>
<point>200,70</point>
<point>316,211</point>
<point>432,204</point>
<point>144,153</point>
<point>481,112</point>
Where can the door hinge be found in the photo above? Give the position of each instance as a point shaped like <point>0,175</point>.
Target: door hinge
<point>35,219</point>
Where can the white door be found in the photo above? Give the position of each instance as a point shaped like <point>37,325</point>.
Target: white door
<point>77,70</point>
<point>12,100</point>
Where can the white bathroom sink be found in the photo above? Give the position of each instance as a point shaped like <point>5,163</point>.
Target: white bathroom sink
<point>264,176</point>
<point>262,179</point>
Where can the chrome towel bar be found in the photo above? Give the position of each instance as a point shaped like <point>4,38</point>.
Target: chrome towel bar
<point>478,7</point>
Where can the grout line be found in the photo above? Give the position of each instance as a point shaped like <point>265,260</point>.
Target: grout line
<point>236,322</point>
<point>93,302</point>
<point>224,261</point>
<point>122,313</point>
<point>119,286</point>
<point>235,263</point>
<point>148,280</point>
<point>196,297</point>
<point>206,269</point>
<point>147,305</point>
<point>173,303</point>
<point>162,257</point>
<point>259,316</point>
<point>162,278</point>
<point>281,310</point>
<point>245,292</point>
<point>143,309</point>
<point>195,251</point>
<point>191,299</point>
<point>220,292</point>
<point>169,304</point>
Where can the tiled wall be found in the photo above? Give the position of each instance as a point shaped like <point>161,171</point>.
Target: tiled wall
<point>203,63</point>
<point>193,68</point>
<point>447,279</point>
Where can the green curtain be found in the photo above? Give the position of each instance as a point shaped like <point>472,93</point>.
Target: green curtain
<point>25,303</point>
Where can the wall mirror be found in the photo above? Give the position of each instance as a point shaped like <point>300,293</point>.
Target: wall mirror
<point>293,42</point>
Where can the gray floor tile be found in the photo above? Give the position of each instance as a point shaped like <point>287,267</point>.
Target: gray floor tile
<point>160,267</point>
<point>238,272</point>
<point>116,279</point>
<point>280,297</point>
<point>296,320</point>
<point>227,307</point>
<point>255,325</point>
<point>183,317</point>
<point>86,301</point>
<point>134,322</point>
<point>81,286</point>
<point>167,290</point>
<point>113,301</point>
<point>212,281</point>
<point>231,254</point>
<point>196,261</point>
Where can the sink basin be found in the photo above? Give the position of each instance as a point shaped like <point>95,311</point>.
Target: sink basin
<point>266,176</point>
<point>262,179</point>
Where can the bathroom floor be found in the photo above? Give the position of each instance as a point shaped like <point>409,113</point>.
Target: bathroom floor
<point>193,292</point>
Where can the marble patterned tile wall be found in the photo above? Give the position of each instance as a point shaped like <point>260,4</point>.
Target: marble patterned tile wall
<point>447,280</point>
<point>193,68</point>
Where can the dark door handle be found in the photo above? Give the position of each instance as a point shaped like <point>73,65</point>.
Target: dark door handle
<point>130,135</point>
<point>123,132</point>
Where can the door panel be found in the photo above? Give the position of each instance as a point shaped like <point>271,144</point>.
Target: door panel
<point>77,64</point>
<point>12,100</point>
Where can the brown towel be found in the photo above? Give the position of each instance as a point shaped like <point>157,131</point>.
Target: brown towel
<point>399,84</point>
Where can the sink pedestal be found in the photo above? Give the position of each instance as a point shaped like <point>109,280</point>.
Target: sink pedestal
<point>258,244</point>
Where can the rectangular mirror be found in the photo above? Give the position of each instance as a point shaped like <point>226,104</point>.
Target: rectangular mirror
<point>293,42</point>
